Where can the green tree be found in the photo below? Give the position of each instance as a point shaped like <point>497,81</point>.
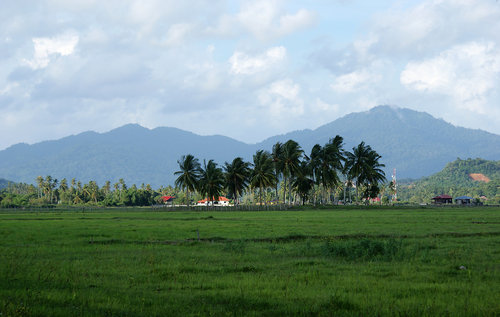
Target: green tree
<point>292,154</point>
<point>263,175</point>
<point>277,156</point>
<point>362,164</point>
<point>211,182</point>
<point>303,182</point>
<point>189,174</point>
<point>237,175</point>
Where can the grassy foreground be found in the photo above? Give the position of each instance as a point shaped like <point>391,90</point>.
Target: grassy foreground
<point>402,262</point>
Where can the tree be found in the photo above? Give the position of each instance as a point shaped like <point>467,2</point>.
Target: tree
<point>189,174</point>
<point>291,156</point>
<point>303,183</point>
<point>263,175</point>
<point>237,175</point>
<point>40,183</point>
<point>211,181</point>
<point>326,161</point>
<point>363,165</point>
<point>277,156</point>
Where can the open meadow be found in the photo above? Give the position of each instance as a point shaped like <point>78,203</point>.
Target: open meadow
<point>342,262</point>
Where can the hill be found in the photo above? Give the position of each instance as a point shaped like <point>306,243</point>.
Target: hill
<point>136,154</point>
<point>413,142</point>
<point>471,177</point>
<point>3,183</point>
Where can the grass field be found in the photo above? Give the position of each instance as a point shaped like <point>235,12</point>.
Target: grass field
<point>342,262</point>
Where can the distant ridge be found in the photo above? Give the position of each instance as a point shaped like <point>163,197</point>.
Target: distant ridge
<point>414,143</point>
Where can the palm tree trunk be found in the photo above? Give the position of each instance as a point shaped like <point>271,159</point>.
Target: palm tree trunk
<point>284,190</point>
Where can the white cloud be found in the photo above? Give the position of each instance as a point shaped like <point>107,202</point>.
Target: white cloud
<point>264,19</point>
<point>466,73</point>
<point>282,99</point>
<point>354,81</point>
<point>45,47</point>
<point>242,63</point>
<point>177,33</point>
<point>434,25</point>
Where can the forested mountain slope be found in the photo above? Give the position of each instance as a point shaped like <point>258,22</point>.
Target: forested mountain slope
<point>415,143</point>
<point>471,177</point>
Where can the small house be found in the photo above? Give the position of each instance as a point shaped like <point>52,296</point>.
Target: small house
<point>167,200</point>
<point>222,201</point>
<point>443,199</point>
<point>463,200</point>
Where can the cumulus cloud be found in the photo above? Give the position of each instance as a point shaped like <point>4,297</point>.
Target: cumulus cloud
<point>245,64</point>
<point>466,72</point>
<point>354,81</point>
<point>264,19</point>
<point>45,48</point>
<point>282,99</point>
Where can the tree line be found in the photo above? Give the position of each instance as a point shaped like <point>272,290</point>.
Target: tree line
<point>284,175</point>
<point>300,177</point>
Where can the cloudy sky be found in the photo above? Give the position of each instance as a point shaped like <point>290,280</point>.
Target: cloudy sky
<point>245,69</point>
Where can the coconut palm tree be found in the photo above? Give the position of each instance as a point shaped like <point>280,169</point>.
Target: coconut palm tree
<point>303,182</point>
<point>277,156</point>
<point>314,164</point>
<point>40,183</point>
<point>263,175</point>
<point>362,164</point>
<point>292,153</point>
<point>237,175</point>
<point>189,174</point>
<point>211,181</point>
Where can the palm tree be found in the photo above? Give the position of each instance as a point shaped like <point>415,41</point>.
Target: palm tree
<point>292,154</point>
<point>211,181</point>
<point>331,158</point>
<point>263,172</point>
<point>277,156</point>
<point>189,174</point>
<point>40,183</point>
<point>237,175</point>
<point>63,186</point>
<point>363,165</point>
<point>303,182</point>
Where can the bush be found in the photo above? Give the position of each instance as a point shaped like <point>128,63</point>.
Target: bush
<point>366,249</point>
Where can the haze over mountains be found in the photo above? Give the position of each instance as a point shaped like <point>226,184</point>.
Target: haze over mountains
<point>414,143</point>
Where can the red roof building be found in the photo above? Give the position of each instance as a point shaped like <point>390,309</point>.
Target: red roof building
<point>223,201</point>
<point>167,199</point>
<point>443,199</point>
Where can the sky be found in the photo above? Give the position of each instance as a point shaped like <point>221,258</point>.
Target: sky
<point>245,69</point>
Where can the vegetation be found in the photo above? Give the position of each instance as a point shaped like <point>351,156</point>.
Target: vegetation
<point>343,262</point>
<point>455,180</point>
<point>286,173</point>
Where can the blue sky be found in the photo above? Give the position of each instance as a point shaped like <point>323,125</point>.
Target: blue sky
<point>245,69</point>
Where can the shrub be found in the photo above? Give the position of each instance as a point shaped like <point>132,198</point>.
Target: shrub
<point>366,249</point>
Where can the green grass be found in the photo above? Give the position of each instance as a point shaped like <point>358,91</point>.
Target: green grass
<point>342,262</point>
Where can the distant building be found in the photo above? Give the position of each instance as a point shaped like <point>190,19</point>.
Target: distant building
<point>443,199</point>
<point>463,200</point>
<point>222,201</point>
<point>168,200</point>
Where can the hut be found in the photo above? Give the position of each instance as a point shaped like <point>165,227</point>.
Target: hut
<point>443,199</point>
<point>463,200</point>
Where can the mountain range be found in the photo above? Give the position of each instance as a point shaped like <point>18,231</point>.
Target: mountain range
<point>415,143</point>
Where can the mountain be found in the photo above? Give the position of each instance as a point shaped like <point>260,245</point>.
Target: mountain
<point>413,142</point>
<point>136,154</point>
<point>4,183</point>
